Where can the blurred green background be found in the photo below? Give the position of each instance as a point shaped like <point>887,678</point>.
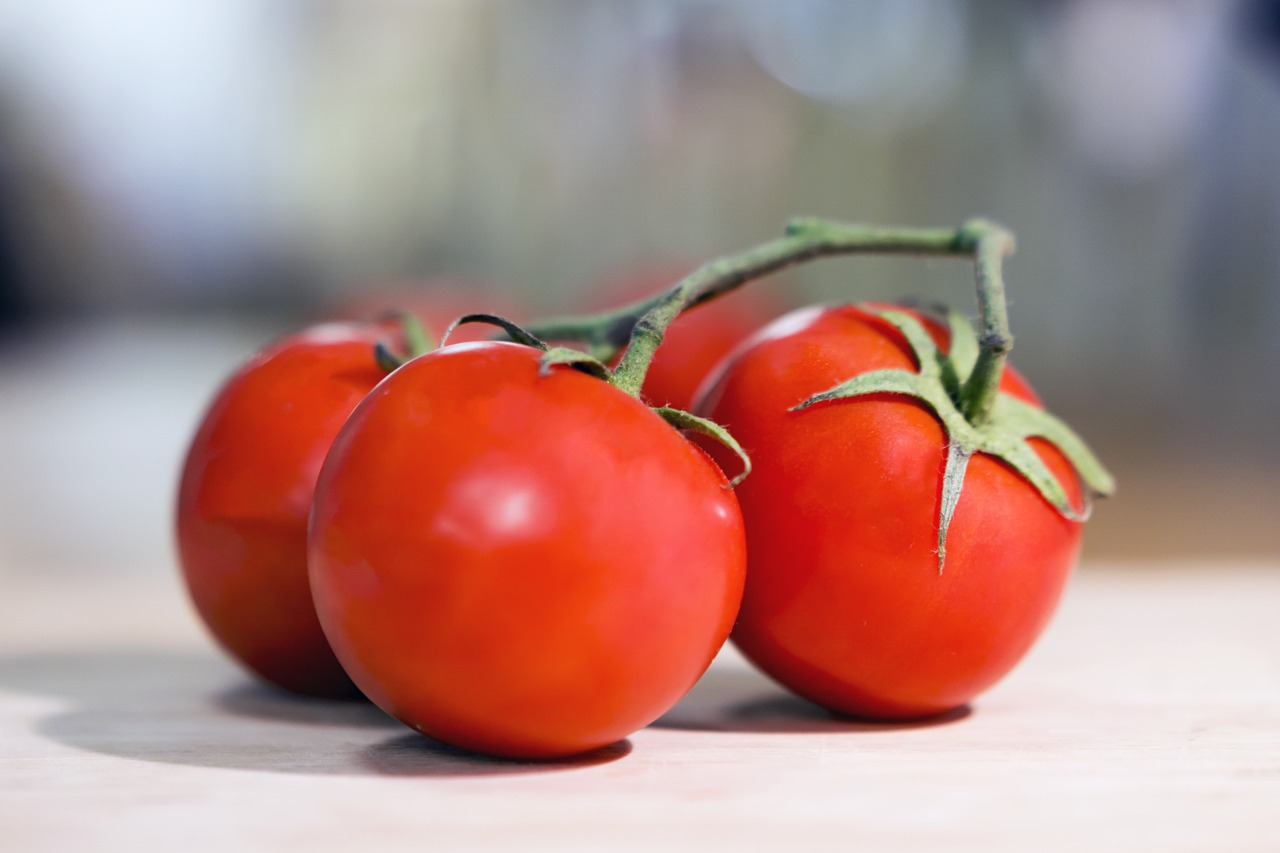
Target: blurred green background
<point>180,182</point>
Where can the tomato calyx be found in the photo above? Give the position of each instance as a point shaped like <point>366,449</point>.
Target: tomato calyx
<point>417,341</point>
<point>585,362</point>
<point>940,382</point>
<point>682,420</point>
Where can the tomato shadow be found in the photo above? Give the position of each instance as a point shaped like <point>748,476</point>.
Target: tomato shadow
<point>413,754</point>
<point>199,710</point>
<point>739,699</point>
<point>262,701</point>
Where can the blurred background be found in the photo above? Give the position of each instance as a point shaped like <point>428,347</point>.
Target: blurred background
<point>180,182</point>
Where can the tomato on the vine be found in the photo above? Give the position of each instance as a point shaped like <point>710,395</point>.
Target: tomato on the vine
<point>520,559</point>
<point>245,496</point>
<point>849,601</point>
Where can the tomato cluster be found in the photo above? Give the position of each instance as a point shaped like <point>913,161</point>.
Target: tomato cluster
<point>513,557</point>
<point>503,546</point>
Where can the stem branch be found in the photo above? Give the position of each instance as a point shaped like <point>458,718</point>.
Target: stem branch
<point>641,325</point>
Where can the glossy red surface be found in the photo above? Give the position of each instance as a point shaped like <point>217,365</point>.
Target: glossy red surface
<point>245,496</point>
<point>844,600</point>
<point>521,564</point>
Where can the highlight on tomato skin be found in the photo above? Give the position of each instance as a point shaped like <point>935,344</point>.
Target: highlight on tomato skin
<point>245,495</point>
<point>845,602</point>
<point>523,565</point>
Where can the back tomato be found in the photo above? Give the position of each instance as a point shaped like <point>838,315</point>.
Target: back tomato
<point>245,496</point>
<point>521,564</point>
<point>845,603</point>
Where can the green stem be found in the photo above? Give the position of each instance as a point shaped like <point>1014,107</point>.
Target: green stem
<point>642,325</point>
<point>417,342</point>
<point>990,245</point>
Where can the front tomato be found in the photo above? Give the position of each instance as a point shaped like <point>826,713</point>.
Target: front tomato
<point>523,564</point>
<point>846,601</point>
<point>245,496</point>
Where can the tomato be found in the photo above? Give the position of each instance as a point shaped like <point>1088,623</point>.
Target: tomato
<point>522,564</point>
<point>245,496</point>
<point>697,340</point>
<point>846,602</point>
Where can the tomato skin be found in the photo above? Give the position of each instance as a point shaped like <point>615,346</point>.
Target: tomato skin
<point>844,602</point>
<point>524,565</point>
<point>245,496</point>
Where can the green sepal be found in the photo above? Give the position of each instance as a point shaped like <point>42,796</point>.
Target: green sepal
<point>1023,419</point>
<point>952,484</point>
<point>930,361</point>
<point>416,338</point>
<point>515,332</point>
<point>953,367</point>
<point>385,358</point>
<point>872,382</point>
<point>962,355</point>
<point>681,419</point>
<point>578,359</point>
<point>1017,454</point>
<point>1004,435</point>
<point>417,341</point>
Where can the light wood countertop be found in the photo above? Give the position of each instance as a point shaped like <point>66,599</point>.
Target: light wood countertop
<point>1148,718</point>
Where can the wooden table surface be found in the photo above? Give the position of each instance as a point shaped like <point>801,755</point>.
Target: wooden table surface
<point>1148,718</point>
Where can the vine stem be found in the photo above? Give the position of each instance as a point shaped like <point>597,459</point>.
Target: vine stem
<point>990,245</point>
<point>641,325</point>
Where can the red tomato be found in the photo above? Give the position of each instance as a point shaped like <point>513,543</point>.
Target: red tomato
<point>844,602</point>
<point>697,340</point>
<point>520,564</point>
<point>246,493</point>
